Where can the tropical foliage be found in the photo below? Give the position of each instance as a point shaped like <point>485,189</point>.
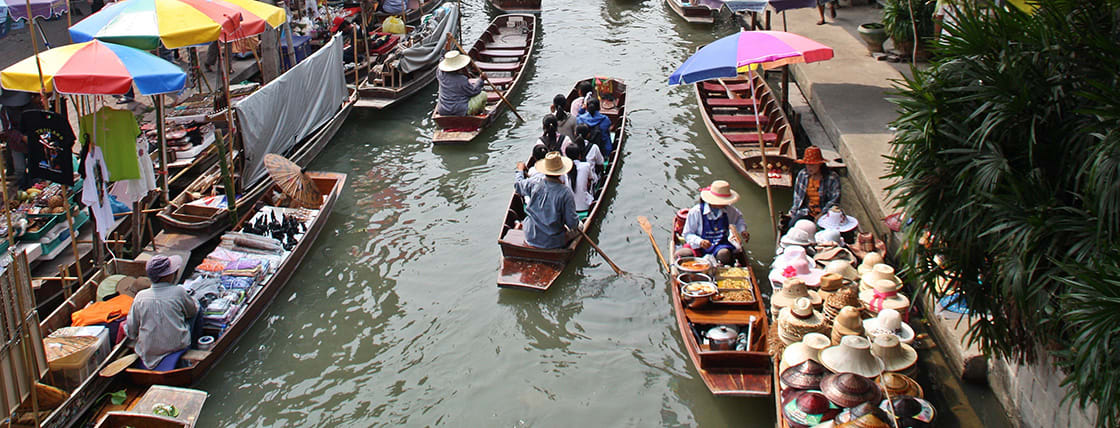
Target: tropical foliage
<point>900,23</point>
<point>1008,155</point>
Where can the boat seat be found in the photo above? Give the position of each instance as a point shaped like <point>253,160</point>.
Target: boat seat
<point>734,87</point>
<point>492,97</point>
<point>731,102</point>
<point>503,53</point>
<point>508,45</point>
<point>514,237</point>
<point>750,137</point>
<point>498,66</point>
<point>499,81</point>
<point>739,119</point>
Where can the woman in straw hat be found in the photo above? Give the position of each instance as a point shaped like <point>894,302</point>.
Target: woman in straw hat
<point>551,218</point>
<point>816,189</point>
<point>457,95</point>
<point>706,230</point>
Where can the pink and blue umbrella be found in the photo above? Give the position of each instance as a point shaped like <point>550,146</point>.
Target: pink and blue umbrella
<point>748,50</point>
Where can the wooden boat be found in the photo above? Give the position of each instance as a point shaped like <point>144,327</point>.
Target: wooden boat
<point>517,6</point>
<point>728,112</point>
<point>198,362</point>
<point>180,216</point>
<point>414,10</point>
<point>387,84</point>
<point>528,268</point>
<point>696,11</point>
<point>93,386</point>
<point>502,52</point>
<point>187,401</point>
<point>746,373</point>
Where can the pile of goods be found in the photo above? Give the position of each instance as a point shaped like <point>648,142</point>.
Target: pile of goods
<point>43,198</point>
<point>841,338</point>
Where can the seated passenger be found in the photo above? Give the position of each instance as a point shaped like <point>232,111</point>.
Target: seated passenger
<point>551,138</point>
<point>457,95</point>
<point>161,317</point>
<point>598,122</point>
<point>581,179</point>
<point>816,189</point>
<point>591,152</point>
<point>706,229</point>
<point>550,213</point>
<point>586,92</point>
<point>566,120</point>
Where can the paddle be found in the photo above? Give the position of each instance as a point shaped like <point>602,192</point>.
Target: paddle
<point>484,78</point>
<point>644,223</point>
<point>600,250</point>
<point>118,366</point>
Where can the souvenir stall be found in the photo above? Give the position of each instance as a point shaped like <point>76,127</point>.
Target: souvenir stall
<point>843,348</point>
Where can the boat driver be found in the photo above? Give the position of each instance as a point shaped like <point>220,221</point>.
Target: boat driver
<point>706,230</point>
<point>161,316</point>
<point>550,220</point>
<point>457,95</point>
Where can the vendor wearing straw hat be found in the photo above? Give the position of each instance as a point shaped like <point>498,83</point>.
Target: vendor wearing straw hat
<point>550,213</point>
<point>457,95</point>
<point>816,188</point>
<point>706,230</point>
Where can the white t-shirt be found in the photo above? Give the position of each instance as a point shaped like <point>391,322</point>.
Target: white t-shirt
<point>585,182</point>
<point>95,194</point>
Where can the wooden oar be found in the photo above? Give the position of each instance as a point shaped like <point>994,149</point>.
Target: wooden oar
<point>644,222</point>
<point>600,250</point>
<point>485,79</point>
<point>119,365</point>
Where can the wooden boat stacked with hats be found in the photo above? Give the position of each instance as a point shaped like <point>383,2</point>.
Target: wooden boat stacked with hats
<point>260,236</point>
<point>723,324</point>
<point>502,52</point>
<point>696,11</point>
<point>517,6</point>
<point>728,107</point>
<point>527,268</point>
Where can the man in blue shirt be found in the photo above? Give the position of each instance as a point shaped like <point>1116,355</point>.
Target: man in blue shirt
<point>550,220</point>
<point>457,95</point>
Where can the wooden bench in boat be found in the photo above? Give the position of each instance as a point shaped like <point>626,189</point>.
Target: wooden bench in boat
<point>514,237</point>
<point>500,81</point>
<point>503,53</point>
<point>750,137</point>
<point>498,66</point>
<point>733,87</point>
<point>731,102</point>
<point>508,45</point>
<point>740,119</point>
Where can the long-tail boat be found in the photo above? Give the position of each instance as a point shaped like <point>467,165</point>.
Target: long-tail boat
<point>696,11</point>
<point>517,6</point>
<point>744,373</point>
<point>728,111</point>
<point>529,268</point>
<point>502,52</point>
<point>392,79</point>
<point>197,361</point>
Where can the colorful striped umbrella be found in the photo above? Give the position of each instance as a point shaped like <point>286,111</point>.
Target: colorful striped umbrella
<point>748,50</point>
<point>39,8</point>
<point>145,24</point>
<point>95,68</point>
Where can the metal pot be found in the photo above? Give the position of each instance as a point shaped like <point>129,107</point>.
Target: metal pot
<point>722,338</point>
<point>696,300</point>
<point>688,277</point>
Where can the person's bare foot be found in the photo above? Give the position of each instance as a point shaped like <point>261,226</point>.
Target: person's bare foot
<point>821,22</point>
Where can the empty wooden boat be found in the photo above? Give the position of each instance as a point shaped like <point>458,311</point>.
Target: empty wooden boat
<point>696,11</point>
<point>528,268</point>
<point>517,6</point>
<point>743,373</point>
<point>502,52</point>
<point>728,111</point>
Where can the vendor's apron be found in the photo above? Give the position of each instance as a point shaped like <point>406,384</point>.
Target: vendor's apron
<point>714,231</point>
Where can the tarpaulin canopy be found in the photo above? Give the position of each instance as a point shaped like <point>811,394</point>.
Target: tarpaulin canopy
<point>431,47</point>
<point>39,8</point>
<point>145,24</point>
<point>95,68</point>
<point>747,50</point>
<point>290,108</point>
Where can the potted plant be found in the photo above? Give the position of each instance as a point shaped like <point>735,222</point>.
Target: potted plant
<point>902,17</point>
<point>873,34</point>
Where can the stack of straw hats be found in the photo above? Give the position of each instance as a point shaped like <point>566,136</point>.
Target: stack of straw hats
<point>796,321</point>
<point>845,296</point>
<point>847,323</point>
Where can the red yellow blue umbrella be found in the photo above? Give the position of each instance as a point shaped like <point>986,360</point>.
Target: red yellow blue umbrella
<point>146,24</point>
<point>95,68</point>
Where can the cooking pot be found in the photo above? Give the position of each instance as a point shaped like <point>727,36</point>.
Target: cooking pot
<point>689,277</point>
<point>722,338</point>
<point>698,298</point>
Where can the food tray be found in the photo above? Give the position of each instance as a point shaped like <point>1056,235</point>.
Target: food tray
<point>34,236</point>
<point>749,290</point>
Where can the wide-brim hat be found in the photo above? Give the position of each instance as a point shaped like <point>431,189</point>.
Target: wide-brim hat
<point>719,193</point>
<point>553,164</point>
<point>880,272</point>
<point>842,267</point>
<point>850,389</point>
<point>896,356</point>
<point>897,384</point>
<point>789,254</point>
<point>835,253</point>
<point>129,286</point>
<point>108,286</point>
<point>805,225</point>
<point>811,156</point>
<point>848,321</point>
<point>454,61</point>
<point>852,355</point>
<point>797,237</point>
<point>835,219</point>
<point>806,375</point>
<point>160,265</point>
<point>869,261</point>
<point>884,296</point>
<point>828,237</point>
<point>910,410</point>
<point>807,409</point>
<point>792,289</point>
<point>866,415</point>
<point>889,321</point>
<point>830,282</point>
<point>797,353</point>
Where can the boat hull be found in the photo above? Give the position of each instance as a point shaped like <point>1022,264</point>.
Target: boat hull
<point>517,6</point>
<point>693,14</point>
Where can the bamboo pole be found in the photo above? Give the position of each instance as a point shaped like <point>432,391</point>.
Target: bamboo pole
<point>161,134</point>
<point>74,233</point>
<point>35,48</point>
<point>291,45</point>
<point>365,41</point>
<point>354,45</point>
<point>15,279</point>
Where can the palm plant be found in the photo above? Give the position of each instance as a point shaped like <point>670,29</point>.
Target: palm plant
<point>902,17</point>
<point>1008,154</point>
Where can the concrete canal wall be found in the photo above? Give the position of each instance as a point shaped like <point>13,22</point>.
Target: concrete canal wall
<point>848,96</point>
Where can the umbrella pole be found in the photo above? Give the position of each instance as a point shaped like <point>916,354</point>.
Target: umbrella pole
<point>224,55</point>
<point>69,20</point>
<point>35,47</point>
<point>785,74</point>
<point>365,41</point>
<point>765,165</point>
<point>161,133</point>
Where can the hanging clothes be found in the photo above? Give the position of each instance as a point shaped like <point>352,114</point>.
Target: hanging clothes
<point>95,191</point>
<point>130,191</point>
<point>50,142</point>
<point>116,136</point>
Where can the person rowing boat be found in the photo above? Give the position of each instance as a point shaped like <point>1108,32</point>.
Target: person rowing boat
<point>707,227</point>
<point>551,219</point>
<point>458,96</point>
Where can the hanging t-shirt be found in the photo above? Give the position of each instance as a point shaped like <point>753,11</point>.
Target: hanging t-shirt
<point>116,132</point>
<point>50,142</point>
<point>130,191</point>
<point>95,192</point>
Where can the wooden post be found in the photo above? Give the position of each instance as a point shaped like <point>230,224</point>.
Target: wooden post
<point>35,48</point>
<point>7,212</point>
<point>227,177</point>
<point>291,45</point>
<point>354,42</point>
<point>269,59</point>
<point>161,135</point>
<point>74,233</point>
<point>365,40</point>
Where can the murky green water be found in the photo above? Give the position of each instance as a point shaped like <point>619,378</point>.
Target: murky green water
<point>394,317</point>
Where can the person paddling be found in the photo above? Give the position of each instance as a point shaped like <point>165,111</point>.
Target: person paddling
<point>706,229</point>
<point>550,220</point>
<point>458,96</point>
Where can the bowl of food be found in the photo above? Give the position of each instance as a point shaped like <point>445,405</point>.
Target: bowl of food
<point>694,264</point>
<point>698,294</point>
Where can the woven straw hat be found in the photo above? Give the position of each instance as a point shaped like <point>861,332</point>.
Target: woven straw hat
<point>850,389</point>
<point>806,375</point>
<point>792,289</point>
<point>847,323</point>
<point>797,353</point>
<point>896,356</point>
<point>869,261</point>
<point>806,409</point>
<point>911,411</point>
<point>852,355</point>
<point>889,322</point>
<point>553,164</point>
<point>817,342</point>
<point>454,61</point>
<point>842,267</point>
<point>879,272</point>
<point>825,255</point>
<point>845,296</point>
<point>884,295</point>
<point>830,283</point>
<point>866,415</point>
<point>799,319</point>
<point>719,193</point>
<point>897,384</point>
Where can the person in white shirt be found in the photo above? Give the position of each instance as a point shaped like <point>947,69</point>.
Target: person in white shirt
<point>581,179</point>
<point>707,228</point>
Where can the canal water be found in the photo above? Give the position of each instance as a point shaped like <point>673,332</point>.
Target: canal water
<point>394,317</point>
